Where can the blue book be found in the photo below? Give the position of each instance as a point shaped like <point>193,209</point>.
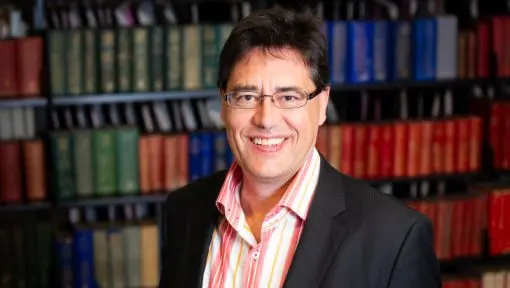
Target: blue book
<point>424,48</point>
<point>400,50</point>
<point>337,51</point>
<point>83,250</point>
<point>220,151</point>
<point>381,48</point>
<point>359,51</point>
<point>206,153</point>
<point>65,255</point>
<point>194,148</point>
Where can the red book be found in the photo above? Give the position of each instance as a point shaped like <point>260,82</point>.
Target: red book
<point>495,131</point>
<point>360,150</point>
<point>438,146</point>
<point>322,141</point>
<point>183,164</point>
<point>334,145</point>
<point>170,179</point>
<point>10,172</point>
<point>414,149</point>
<point>156,161</point>
<point>400,152</point>
<point>30,64</point>
<point>387,149</point>
<point>462,147</point>
<point>450,146</point>
<point>498,35</point>
<point>483,49</point>
<point>8,69</point>
<point>347,165</point>
<point>505,136</point>
<point>35,169</point>
<point>374,151</point>
<point>426,156</point>
<point>475,143</point>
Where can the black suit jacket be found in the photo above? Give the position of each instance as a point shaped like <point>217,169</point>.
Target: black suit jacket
<point>354,236</point>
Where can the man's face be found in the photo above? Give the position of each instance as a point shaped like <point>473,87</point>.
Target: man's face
<point>255,135</point>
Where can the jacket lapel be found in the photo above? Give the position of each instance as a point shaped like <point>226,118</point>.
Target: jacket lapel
<point>199,233</point>
<point>322,234</point>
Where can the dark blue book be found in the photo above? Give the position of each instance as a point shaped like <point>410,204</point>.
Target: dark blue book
<point>359,51</point>
<point>83,250</point>
<point>424,48</point>
<point>336,35</point>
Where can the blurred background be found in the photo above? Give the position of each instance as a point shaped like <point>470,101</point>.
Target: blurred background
<point>106,106</point>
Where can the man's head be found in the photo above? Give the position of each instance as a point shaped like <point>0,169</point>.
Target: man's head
<point>271,51</point>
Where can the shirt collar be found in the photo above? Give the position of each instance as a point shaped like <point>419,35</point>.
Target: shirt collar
<point>297,197</point>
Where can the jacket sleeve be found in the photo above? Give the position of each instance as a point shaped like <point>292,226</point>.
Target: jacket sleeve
<point>168,226</point>
<point>417,265</point>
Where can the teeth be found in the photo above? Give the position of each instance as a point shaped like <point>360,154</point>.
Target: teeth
<point>267,142</point>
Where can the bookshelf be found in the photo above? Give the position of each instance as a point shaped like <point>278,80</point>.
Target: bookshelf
<point>167,115</point>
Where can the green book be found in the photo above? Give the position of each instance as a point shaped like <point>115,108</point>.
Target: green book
<point>173,58</point>
<point>44,252</point>
<point>127,160</point>
<point>107,60</point>
<point>210,55</point>
<point>157,41</point>
<point>116,257</point>
<point>62,172</point>
<point>105,168</point>
<point>101,273</point>
<point>56,48</point>
<point>90,61</point>
<point>124,59</point>
<point>192,57</point>
<point>74,62</point>
<point>132,255</point>
<point>141,59</point>
<point>82,156</point>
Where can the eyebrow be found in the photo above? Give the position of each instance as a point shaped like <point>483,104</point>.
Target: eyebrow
<point>255,88</point>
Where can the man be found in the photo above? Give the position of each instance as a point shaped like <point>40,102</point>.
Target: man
<point>281,216</point>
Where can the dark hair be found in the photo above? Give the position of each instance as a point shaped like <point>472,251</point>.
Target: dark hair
<point>272,29</point>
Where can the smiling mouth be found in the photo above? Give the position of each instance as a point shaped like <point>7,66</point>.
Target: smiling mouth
<point>267,141</point>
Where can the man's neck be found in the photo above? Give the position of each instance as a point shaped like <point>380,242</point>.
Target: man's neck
<point>258,198</point>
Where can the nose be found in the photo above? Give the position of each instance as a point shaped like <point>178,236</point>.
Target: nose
<point>266,114</point>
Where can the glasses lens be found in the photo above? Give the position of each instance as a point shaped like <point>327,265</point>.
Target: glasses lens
<point>243,99</point>
<point>290,99</point>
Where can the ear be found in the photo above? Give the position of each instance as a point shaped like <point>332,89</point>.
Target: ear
<point>323,105</point>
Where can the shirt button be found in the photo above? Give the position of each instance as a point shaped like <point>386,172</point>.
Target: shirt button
<point>255,255</point>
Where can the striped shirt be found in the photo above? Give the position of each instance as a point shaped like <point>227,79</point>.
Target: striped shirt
<point>235,258</point>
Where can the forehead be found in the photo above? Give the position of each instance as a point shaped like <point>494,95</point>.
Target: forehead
<point>274,67</point>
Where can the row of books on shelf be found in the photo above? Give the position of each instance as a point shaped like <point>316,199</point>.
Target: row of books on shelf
<point>185,57</point>
<point>458,224</point>
<point>492,278</point>
<point>464,224</point>
<point>124,161</point>
<point>407,148</point>
<point>109,256</point>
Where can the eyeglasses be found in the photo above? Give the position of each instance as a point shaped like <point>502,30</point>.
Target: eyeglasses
<point>286,99</point>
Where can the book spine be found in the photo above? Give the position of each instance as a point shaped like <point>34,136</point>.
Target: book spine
<point>337,35</point>
<point>359,51</point>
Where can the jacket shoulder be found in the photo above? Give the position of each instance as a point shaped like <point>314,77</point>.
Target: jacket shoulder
<point>375,206</point>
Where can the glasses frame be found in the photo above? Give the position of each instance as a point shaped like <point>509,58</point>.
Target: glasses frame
<point>309,96</point>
